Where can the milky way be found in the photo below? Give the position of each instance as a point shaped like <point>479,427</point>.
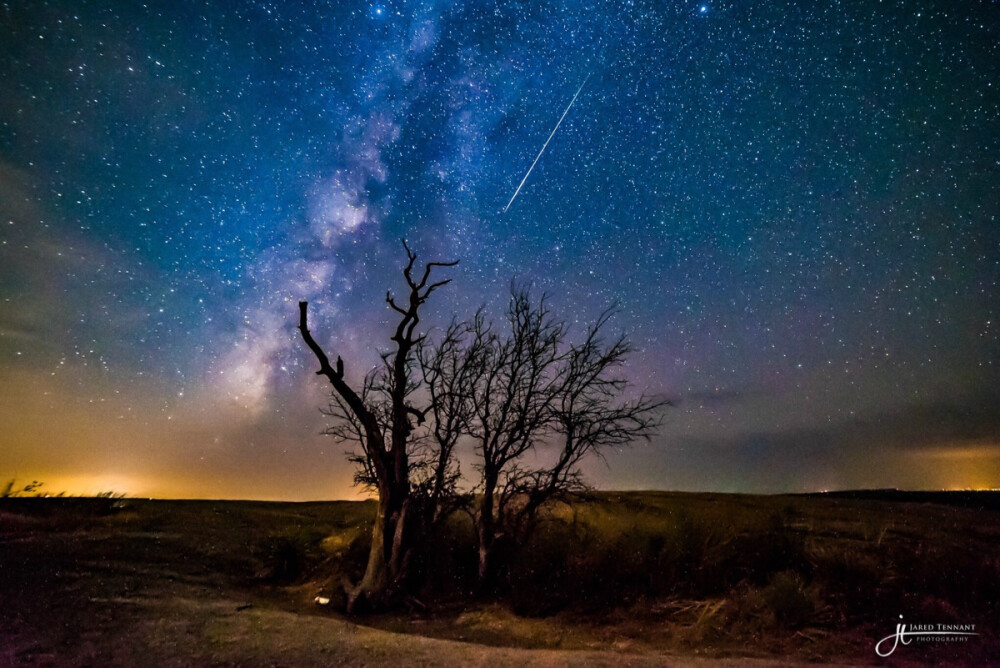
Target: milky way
<point>793,206</point>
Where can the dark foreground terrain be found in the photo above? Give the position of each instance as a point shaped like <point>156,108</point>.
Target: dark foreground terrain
<point>620,579</point>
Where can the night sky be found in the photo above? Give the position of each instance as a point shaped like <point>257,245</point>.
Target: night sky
<point>794,207</point>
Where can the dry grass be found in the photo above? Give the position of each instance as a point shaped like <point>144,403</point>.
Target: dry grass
<point>647,578</point>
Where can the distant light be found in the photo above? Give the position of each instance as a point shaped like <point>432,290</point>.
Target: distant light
<point>703,9</point>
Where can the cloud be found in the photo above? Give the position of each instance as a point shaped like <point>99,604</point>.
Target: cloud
<point>713,398</point>
<point>63,293</point>
<point>945,444</point>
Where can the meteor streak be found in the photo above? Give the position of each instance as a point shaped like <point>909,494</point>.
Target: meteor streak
<point>514,196</point>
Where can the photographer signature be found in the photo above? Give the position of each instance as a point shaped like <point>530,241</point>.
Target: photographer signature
<point>922,630</point>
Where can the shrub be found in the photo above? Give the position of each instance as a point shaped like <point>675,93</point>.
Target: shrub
<point>446,563</point>
<point>540,577</point>
<point>861,583</point>
<point>788,599</point>
<point>286,557</point>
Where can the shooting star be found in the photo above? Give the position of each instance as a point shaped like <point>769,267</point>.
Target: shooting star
<point>537,157</point>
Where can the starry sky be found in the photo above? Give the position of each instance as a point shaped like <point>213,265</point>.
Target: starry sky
<point>794,207</point>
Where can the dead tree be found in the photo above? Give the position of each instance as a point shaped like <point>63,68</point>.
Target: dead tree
<point>510,406</point>
<point>529,396</point>
<point>588,414</point>
<point>450,369</point>
<point>384,430</point>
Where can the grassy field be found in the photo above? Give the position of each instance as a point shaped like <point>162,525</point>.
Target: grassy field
<point>631,578</point>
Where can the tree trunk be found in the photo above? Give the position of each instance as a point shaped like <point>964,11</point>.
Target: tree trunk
<point>372,587</point>
<point>486,534</point>
<point>388,557</point>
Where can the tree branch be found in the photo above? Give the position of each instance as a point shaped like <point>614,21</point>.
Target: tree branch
<point>391,302</point>
<point>420,414</point>
<point>336,376</point>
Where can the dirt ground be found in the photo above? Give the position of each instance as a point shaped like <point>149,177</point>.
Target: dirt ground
<point>172,584</point>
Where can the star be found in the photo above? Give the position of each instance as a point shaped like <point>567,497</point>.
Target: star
<point>799,254</point>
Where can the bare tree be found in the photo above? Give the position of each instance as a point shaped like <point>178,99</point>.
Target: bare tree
<point>533,403</point>
<point>510,409</point>
<point>525,391</point>
<point>449,369</point>
<point>589,413</point>
<point>380,417</point>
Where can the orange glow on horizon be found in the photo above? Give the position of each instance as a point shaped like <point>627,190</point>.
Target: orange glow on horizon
<point>132,486</point>
<point>960,466</point>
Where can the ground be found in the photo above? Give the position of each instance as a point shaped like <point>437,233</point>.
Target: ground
<point>107,582</point>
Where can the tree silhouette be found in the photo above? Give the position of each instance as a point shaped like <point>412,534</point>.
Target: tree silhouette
<point>533,402</point>
<point>379,415</point>
<point>525,394</point>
